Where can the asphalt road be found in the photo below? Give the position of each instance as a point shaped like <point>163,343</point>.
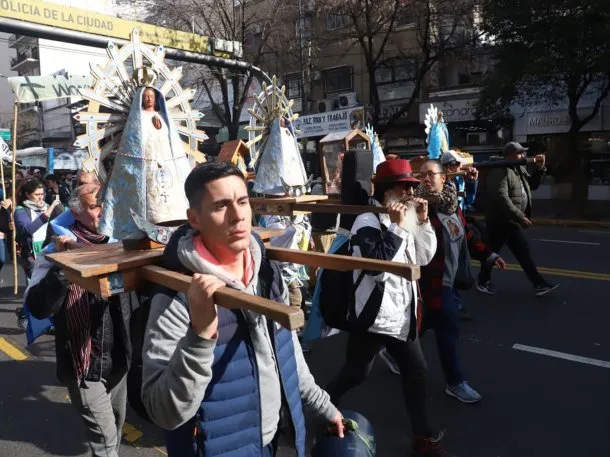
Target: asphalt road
<point>536,402</point>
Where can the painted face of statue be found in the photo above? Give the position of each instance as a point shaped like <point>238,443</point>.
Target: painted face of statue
<point>149,100</point>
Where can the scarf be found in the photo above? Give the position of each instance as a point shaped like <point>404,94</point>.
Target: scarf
<point>78,312</point>
<point>446,201</point>
<point>42,206</point>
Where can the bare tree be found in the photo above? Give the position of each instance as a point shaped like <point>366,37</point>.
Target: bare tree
<point>438,29</point>
<point>443,29</point>
<point>371,24</point>
<point>257,27</point>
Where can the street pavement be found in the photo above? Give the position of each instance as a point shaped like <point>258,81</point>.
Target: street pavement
<point>541,364</point>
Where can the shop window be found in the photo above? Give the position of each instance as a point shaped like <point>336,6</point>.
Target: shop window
<point>337,79</point>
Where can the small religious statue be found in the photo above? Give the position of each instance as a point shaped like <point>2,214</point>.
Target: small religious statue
<point>438,134</point>
<point>273,145</point>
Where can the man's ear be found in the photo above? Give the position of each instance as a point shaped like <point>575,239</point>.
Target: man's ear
<point>193,218</point>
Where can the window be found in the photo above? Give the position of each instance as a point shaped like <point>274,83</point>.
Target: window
<point>404,17</point>
<point>293,85</point>
<point>304,25</point>
<point>335,21</point>
<point>337,79</point>
<point>463,79</point>
<point>396,70</point>
<point>253,39</point>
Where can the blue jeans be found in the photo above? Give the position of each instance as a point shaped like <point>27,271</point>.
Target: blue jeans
<point>445,323</point>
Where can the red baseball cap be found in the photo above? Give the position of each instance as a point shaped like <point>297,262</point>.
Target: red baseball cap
<point>397,170</point>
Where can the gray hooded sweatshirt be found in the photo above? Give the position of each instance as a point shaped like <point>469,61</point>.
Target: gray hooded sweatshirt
<point>177,363</point>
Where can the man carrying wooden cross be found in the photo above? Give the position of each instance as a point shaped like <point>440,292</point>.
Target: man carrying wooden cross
<point>224,382</point>
<point>402,235</point>
<point>92,339</point>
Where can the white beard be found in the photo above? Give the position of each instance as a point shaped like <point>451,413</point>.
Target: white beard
<point>410,222</point>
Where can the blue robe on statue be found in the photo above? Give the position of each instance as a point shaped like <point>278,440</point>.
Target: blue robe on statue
<point>127,187</point>
<point>438,140</point>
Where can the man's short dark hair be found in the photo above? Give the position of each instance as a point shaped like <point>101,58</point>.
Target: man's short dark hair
<point>196,182</point>
<point>51,177</point>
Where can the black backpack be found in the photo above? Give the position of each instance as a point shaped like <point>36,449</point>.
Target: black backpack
<point>338,298</point>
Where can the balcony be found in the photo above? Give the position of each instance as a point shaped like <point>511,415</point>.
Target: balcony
<point>455,91</point>
<point>25,60</point>
<point>18,41</point>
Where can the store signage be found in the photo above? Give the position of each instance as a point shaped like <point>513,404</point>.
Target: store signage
<point>558,121</point>
<point>453,110</point>
<point>334,121</point>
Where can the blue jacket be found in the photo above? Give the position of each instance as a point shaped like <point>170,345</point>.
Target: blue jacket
<point>470,190</point>
<point>207,394</point>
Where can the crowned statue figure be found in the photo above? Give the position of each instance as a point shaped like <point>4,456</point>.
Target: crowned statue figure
<point>150,167</point>
<point>280,170</point>
<point>438,134</point>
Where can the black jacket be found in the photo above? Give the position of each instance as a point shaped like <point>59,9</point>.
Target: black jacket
<point>111,349</point>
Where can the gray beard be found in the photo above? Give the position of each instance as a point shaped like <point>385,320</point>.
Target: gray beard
<point>410,221</point>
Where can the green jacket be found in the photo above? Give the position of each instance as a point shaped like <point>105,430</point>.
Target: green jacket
<point>505,192</point>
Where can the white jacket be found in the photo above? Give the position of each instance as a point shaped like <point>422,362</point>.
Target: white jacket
<point>395,293</point>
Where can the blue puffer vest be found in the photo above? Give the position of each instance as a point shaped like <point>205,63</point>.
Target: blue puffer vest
<point>228,422</point>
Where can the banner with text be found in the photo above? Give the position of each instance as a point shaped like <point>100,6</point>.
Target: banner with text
<point>30,89</point>
<point>54,15</point>
<point>333,121</point>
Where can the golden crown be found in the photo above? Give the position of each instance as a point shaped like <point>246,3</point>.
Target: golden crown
<point>144,76</point>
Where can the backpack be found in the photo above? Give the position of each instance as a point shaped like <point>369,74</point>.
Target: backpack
<point>338,296</point>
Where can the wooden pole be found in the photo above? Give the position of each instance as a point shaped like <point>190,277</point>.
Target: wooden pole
<point>289,317</point>
<point>15,271</point>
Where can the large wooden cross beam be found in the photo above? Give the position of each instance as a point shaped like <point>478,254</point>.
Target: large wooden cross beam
<point>111,269</point>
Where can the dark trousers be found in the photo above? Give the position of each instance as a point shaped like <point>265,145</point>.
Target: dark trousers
<point>512,235</point>
<point>362,349</point>
<point>445,323</point>
<point>271,449</point>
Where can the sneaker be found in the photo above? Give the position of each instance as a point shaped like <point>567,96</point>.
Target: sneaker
<point>389,361</point>
<point>464,315</point>
<point>486,287</point>
<point>463,392</point>
<point>22,320</point>
<point>545,288</point>
<point>427,446</point>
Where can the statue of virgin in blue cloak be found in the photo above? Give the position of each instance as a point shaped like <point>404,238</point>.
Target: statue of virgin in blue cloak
<point>150,167</point>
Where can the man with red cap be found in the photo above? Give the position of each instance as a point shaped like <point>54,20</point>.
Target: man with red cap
<point>404,235</point>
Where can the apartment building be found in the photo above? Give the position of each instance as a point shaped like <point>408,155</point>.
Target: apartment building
<point>325,72</point>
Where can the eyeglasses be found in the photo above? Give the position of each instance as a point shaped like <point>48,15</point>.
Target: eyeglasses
<point>428,174</point>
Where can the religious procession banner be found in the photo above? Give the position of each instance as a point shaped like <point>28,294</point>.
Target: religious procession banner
<point>30,89</point>
<point>64,17</point>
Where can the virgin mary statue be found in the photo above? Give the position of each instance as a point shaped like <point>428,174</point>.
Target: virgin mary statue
<point>149,170</point>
